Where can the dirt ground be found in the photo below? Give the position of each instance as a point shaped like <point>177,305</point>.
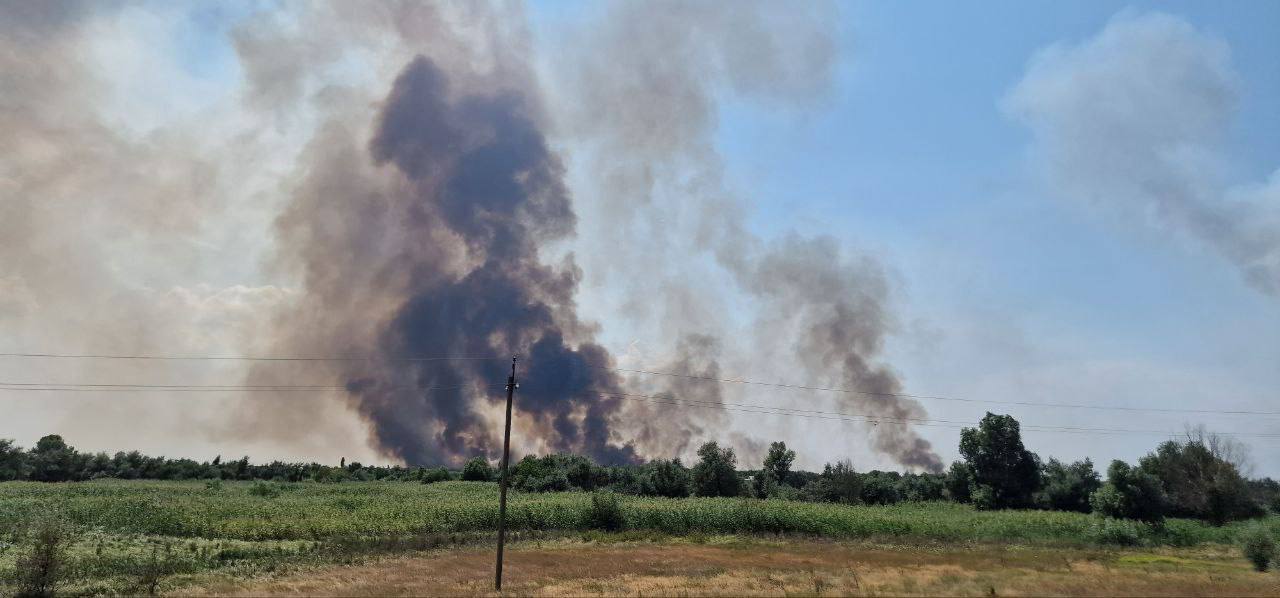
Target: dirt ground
<point>737,567</point>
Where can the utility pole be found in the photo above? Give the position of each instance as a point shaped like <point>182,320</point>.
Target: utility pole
<point>502,484</point>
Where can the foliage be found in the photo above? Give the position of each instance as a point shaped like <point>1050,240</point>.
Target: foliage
<point>881,488</point>
<point>52,460</point>
<point>1199,483</point>
<point>839,483</point>
<point>554,473</point>
<point>960,482</point>
<point>1068,487</point>
<point>1259,546</point>
<point>604,512</point>
<point>13,461</point>
<point>714,475</point>
<point>437,474</point>
<point>665,478</point>
<point>1120,532</point>
<point>778,462</point>
<point>38,571</point>
<point>1005,473</point>
<point>477,470</point>
<point>264,489</point>
<point>1130,493</point>
<point>764,484</point>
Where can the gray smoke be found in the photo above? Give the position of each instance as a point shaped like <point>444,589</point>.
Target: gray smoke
<point>648,123</point>
<point>453,244</point>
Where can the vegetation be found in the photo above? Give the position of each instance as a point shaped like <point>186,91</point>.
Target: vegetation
<point>714,475</point>
<point>1259,546</point>
<point>134,536</point>
<point>1068,487</point>
<point>1199,477</point>
<point>477,470</point>
<point>1005,474</point>
<point>1130,493</point>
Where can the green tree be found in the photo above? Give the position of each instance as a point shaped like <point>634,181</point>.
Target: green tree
<point>52,460</point>
<point>959,482</point>
<point>665,478</point>
<point>778,462</point>
<point>1068,487</point>
<point>1200,483</point>
<point>1005,474</point>
<point>715,473</point>
<point>477,470</point>
<point>13,461</point>
<point>1130,493</point>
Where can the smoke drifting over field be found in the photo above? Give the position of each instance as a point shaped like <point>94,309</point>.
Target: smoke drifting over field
<point>418,208</point>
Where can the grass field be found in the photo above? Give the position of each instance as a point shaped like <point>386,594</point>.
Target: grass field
<point>137,535</point>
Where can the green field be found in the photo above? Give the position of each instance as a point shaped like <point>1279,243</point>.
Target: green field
<point>129,535</point>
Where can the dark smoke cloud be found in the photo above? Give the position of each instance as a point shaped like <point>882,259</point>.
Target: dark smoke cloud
<point>837,314</point>
<point>472,172</point>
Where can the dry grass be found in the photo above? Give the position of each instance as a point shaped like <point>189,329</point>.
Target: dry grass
<point>793,567</point>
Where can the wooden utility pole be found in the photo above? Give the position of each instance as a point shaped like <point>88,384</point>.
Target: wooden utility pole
<point>502,484</point>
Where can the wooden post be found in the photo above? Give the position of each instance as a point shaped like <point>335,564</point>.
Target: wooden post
<point>502,484</point>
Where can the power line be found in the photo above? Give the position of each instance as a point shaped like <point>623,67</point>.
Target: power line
<point>941,398</point>
<point>659,373</point>
<point>40,386</point>
<point>875,419</point>
<point>665,399</point>
<point>245,358</point>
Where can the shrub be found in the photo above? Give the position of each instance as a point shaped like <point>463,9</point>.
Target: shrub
<point>959,482</point>
<point>438,474</point>
<point>1259,546</point>
<point>264,489</point>
<point>1119,532</point>
<point>1129,493</point>
<point>665,478</point>
<point>764,484</point>
<point>477,470</point>
<point>1200,482</point>
<point>604,512</point>
<point>880,488</point>
<point>1068,487</point>
<point>38,570</point>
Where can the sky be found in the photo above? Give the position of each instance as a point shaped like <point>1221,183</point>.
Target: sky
<point>1034,202</point>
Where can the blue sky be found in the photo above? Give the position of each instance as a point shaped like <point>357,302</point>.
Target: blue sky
<point>912,158</point>
<point>1023,267</point>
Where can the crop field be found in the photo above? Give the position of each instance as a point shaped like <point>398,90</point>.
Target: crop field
<point>140,536</point>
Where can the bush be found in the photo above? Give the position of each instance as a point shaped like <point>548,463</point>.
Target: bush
<point>1068,487</point>
<point>605,513</point>
<point>1129,493</point>
<point>665,478</point>
<point>37,572</point>
<point>959,482</point>
<point>1259,546</point>
<point>264,489</point>
<point>438,474</point>
<point>1119,532</point>
<point>477,470</point>
<point>1200,483</point>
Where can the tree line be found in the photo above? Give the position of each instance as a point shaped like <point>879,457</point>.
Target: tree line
<point>1199,476</point>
